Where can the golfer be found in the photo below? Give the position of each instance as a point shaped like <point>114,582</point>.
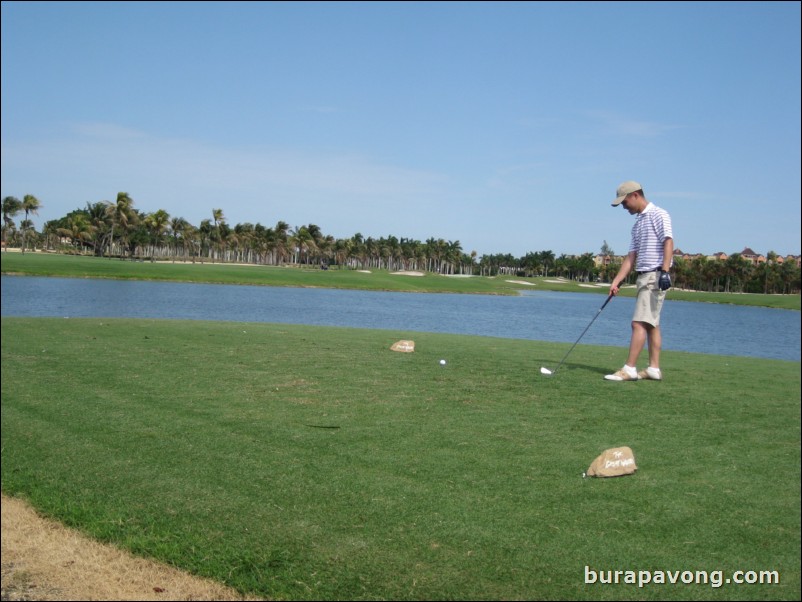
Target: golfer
<point>650,253</point>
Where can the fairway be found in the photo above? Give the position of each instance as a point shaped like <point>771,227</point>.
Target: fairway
<point>298,462</point>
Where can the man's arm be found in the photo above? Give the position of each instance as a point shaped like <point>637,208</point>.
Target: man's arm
<point>664,282</point>
<point>626,268</point>
<point>668,253</point>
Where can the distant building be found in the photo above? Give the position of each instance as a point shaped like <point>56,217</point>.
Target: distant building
<point>748,254</point>
<point>752,257</point>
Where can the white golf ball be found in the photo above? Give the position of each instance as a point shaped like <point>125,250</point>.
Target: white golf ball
<point>442,362</point>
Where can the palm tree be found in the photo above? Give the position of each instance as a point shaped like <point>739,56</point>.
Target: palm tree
<point>736,268</point>
<point>100,217</point>
<point>547,261</point>
<point>51,235</point>
<point>11,206</point>
<point>218,218</point>
<point>244,235</point>
<point>531,264</point>
<point>191,235</point>
<point>326,249</point>
<point>227,238</point>
<point>342,251</point>
<point>264,244</point>
<point>79,230</point>
<point>205,231</point>
<point>436,250</point>
<point>790,274</point>
<point>177,226</point>
<point>769,270</point>
<point>156,223</point>
<point>26,227</point>
<point>714,271</point>
<point>358,250</point>
<point>390,249</point>
<point>303,243</point>
<point>280,243</point>
<point>372,252</point>
<point>453,255</point>
<point>121,214</point>
<point>586,266</point>
<point>30,204</point>
<point>698,270</point>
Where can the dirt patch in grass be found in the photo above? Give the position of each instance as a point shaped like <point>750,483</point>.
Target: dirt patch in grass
<point>43,560</point>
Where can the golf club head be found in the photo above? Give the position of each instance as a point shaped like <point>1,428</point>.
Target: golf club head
<point>545,371</point>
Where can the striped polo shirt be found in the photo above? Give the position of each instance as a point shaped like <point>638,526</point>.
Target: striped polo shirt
<point>652,227</point>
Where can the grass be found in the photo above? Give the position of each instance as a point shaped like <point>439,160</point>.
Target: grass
<point>72,266</point>
<point>313,463</point>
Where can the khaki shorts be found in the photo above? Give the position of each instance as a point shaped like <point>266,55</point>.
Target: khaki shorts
<point>650,299</point>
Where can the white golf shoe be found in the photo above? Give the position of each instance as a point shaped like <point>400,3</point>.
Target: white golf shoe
<point>650,374</point>
<point>623,374</point>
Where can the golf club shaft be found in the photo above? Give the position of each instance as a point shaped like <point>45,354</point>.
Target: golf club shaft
<point>583,333</point>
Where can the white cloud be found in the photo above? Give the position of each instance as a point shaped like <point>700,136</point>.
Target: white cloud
<point>188,178</point>
<point>620,125</point>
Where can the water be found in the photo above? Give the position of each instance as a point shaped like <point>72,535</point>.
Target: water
<point>535,315</point>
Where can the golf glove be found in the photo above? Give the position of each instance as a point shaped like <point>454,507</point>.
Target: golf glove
<point>665,281</point>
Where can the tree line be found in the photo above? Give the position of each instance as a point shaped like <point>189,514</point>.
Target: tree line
<point>119,230</point>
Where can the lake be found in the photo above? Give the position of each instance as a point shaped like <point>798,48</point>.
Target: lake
<point>534,315</point>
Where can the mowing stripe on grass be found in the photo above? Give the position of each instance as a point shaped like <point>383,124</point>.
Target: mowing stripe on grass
<point>190,442</point>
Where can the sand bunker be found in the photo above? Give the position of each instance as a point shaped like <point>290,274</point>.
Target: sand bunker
<point>43,560</point>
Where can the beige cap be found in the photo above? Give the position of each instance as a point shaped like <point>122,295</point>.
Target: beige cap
<point>625,189</point>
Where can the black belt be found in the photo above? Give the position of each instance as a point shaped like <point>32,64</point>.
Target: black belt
<point>650,271</point>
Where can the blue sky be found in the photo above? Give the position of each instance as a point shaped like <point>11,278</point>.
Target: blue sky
<point>505,126</point>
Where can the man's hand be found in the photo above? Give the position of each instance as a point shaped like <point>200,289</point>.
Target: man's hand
<point>665,281</point>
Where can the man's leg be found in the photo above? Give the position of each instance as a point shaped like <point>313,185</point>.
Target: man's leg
<point>641,331</point>
<point>655,344</point>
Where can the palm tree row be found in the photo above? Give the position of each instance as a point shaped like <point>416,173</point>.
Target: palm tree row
<point>118,229</point>
<point>737,275</point>
<point>29,205</point>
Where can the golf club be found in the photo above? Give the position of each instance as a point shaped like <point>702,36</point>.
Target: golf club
<point>548,372</point>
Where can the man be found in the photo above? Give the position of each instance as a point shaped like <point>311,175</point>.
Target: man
<point>651,250</point>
